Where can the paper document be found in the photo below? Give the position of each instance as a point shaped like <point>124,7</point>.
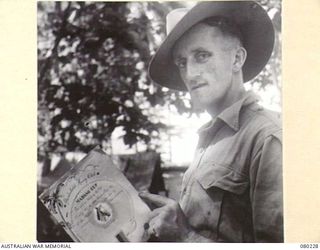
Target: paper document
<point>95,202</point>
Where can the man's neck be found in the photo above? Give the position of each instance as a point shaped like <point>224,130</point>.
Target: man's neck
<point>235,93</point>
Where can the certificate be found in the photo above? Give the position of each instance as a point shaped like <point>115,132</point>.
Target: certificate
<point>95,202</point>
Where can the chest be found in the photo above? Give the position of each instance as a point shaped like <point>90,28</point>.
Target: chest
<point>215,186</point>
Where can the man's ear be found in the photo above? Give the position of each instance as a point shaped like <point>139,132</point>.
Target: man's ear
<point>239,59</point>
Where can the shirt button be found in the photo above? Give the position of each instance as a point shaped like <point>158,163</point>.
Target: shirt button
<point>184,190</point>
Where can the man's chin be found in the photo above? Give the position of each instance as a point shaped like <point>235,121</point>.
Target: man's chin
<point>197,105</point>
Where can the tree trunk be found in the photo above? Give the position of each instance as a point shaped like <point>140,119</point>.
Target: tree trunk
<point>46,165</point>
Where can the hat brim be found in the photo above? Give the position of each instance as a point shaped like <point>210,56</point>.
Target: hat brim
<point>253,22</point>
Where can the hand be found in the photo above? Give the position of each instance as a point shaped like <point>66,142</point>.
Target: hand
<point>167,221</point>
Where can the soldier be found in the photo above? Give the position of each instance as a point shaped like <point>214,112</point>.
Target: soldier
<point>232,192</point>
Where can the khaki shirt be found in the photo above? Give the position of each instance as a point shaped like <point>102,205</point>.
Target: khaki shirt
<point>232,191</point>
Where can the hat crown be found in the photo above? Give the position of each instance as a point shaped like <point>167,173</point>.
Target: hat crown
<point>173,17</point>
<point>252,20</point>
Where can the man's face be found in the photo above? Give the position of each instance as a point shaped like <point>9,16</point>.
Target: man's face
<point>205,57</point>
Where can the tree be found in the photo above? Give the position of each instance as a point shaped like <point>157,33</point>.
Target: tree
<point>271,75</point>
<point>92,74</point>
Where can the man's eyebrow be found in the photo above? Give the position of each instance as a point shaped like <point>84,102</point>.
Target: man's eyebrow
<point>196,50</point>
<point>200,49</point>
<point>177,58</point>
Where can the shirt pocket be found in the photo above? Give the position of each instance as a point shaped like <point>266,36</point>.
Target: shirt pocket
<point>224,187</point>
<point>223,177</point>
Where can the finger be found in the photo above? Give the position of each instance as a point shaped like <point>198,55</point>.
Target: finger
<point>153,229</point>
<point>157,200</point>
<point>150,216</point>
<point>154,213</point>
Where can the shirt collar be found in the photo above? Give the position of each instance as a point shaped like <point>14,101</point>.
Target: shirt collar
<point>231,114</point>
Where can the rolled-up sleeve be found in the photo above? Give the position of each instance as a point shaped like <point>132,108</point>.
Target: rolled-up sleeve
<point>266,191</point>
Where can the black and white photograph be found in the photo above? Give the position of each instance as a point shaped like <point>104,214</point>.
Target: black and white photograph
<point>159,122</point>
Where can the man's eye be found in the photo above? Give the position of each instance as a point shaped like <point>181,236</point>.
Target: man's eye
<point>181,64</point>
<point>202,56</point>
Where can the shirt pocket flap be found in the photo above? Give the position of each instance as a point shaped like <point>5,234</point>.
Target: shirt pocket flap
<point>223,177</point>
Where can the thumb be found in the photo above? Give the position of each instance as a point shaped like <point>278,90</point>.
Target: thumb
<point>153,199</point>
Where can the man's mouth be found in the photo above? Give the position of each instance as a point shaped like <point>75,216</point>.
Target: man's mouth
<point>200,85</point>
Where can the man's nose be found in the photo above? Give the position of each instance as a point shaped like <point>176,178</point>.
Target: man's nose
<point>193,70</point>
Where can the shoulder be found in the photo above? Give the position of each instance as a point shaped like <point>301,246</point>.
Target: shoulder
<point>261,127</point>
<point>261,122</point>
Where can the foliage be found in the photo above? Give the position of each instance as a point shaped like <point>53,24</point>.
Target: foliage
<point>272,72</point>
<point>92,73</point>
